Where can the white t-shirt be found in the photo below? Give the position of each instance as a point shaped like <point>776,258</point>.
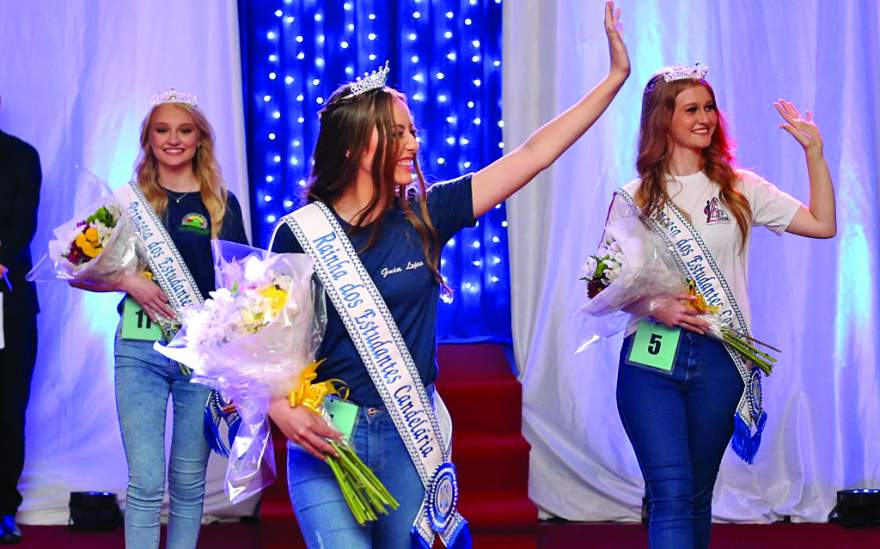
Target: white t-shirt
<point>697,195</point>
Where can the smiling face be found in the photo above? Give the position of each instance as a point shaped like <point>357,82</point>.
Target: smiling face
<point>694,119</point>
<point>405,143</point>
<point>173,135</point>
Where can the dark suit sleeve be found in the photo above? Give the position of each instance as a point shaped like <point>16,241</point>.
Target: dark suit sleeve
<point>27,177</point>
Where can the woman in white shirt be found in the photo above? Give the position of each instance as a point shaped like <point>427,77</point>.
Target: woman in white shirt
<point>680,415</point>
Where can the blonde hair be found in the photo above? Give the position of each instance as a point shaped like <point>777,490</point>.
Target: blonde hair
<point>204,165</point>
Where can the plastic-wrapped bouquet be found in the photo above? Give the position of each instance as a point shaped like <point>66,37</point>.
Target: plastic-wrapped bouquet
<point>634,269</point>
<point>99,242</point>
<point>254,340</point>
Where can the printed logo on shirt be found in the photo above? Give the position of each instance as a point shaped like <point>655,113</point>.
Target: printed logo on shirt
<point>410,266</point>
<point>195,223</point>
<point>715,212</point>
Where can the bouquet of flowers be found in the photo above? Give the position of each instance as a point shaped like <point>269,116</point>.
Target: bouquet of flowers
<point>99,242</point>
<point>254,340</point>
<point>634,269</point>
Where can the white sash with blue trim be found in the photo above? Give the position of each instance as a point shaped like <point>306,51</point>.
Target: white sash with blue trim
<point>391,367</point>
<point>168,267</point>
<point>695,261</point>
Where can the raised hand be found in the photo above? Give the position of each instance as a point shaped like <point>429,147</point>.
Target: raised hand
<point>803,129</point>
<point>616,47</point>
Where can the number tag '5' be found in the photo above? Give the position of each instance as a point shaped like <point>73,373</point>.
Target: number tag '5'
<point>655,346</point>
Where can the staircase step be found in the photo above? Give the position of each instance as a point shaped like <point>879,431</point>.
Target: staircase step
<point>488,462</point>
<point>498,510</point>
<point>484,406</point>
<point>467,363</point>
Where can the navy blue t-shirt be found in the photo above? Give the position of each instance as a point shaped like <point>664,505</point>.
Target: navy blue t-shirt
<point>396,263</point>
<point>189,225</point>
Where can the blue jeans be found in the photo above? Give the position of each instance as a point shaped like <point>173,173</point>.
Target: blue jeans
<point>324,518</point>
<point>144,379</point>
<point>679,424</point>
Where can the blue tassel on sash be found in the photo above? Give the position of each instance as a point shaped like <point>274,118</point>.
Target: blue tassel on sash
<point>214,414</point>
<point>416,541</point>
<point>461,538</point>
<point>744,443</point>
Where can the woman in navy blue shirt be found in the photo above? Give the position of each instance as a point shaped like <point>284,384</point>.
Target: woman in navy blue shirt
<point>364,162</point>
<point>180,177</point>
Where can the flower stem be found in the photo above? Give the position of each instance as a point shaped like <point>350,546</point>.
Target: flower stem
<point>363,491</point>
<point>749,352</point>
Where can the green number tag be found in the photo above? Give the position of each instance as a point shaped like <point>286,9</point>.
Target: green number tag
<point>136,324</point>
<point>654,345</point>
<point>343,414</point>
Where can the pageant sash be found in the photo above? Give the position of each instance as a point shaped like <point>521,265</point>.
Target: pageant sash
<point>391,367</point>
<point>696,262</point>
<point>168,268</point>
<point>177,283</point>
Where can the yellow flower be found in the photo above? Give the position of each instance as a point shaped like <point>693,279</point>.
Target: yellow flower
<point>92,235</point>
<point>91,251</point>
<point>700,304</point>
<point>87,247</point>
<point>277,299</point>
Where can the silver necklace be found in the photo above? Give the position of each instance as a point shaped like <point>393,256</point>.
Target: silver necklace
<point>177,198</point>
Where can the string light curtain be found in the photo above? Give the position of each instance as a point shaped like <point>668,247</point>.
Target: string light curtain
<point>446,56</point>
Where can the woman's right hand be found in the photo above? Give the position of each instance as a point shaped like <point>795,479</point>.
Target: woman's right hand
<point>304,427</point>
<point>678,310</point>
<point>148,294</point>
<point>620,65</point>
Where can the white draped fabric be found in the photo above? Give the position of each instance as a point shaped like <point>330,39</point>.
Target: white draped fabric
<point>817,300</point>
<point>76,81</point>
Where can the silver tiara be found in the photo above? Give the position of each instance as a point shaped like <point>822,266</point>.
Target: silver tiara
<point>174,96</point>
<point>697,72</point>
<point>370,81</point>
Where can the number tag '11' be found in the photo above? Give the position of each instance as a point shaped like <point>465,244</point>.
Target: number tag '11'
<point>655,346</point>
<point>136,324</point>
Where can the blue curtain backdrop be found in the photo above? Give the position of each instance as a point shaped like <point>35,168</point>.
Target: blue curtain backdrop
<point>446,56</point>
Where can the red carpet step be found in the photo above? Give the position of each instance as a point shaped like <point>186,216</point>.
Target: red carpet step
<point>492,458</point>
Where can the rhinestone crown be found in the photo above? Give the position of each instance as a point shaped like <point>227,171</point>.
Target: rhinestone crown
<point>370,81</point>
<point>697,72</point>
<point>174,96</point>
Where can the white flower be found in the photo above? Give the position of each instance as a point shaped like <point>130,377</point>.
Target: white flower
<point>590,265</point>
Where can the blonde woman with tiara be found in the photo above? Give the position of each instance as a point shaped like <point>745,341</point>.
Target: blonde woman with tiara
<point>180,204</point>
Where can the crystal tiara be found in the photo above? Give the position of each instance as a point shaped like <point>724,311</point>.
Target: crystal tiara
<point>370,81</point>
<point>174,96</point>
<point>697,72</point>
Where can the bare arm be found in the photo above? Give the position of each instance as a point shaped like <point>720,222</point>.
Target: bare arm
<point>505,176</point>
<point>143,290</point>
<point>820,219</point>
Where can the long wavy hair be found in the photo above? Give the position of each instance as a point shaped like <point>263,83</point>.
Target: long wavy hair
<point>347,125</point>
<point>658,106</point>
<point>204,164</point>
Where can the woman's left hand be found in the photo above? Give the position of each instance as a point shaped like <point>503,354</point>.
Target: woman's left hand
<point>803,129</point>
<point>616,47</point>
